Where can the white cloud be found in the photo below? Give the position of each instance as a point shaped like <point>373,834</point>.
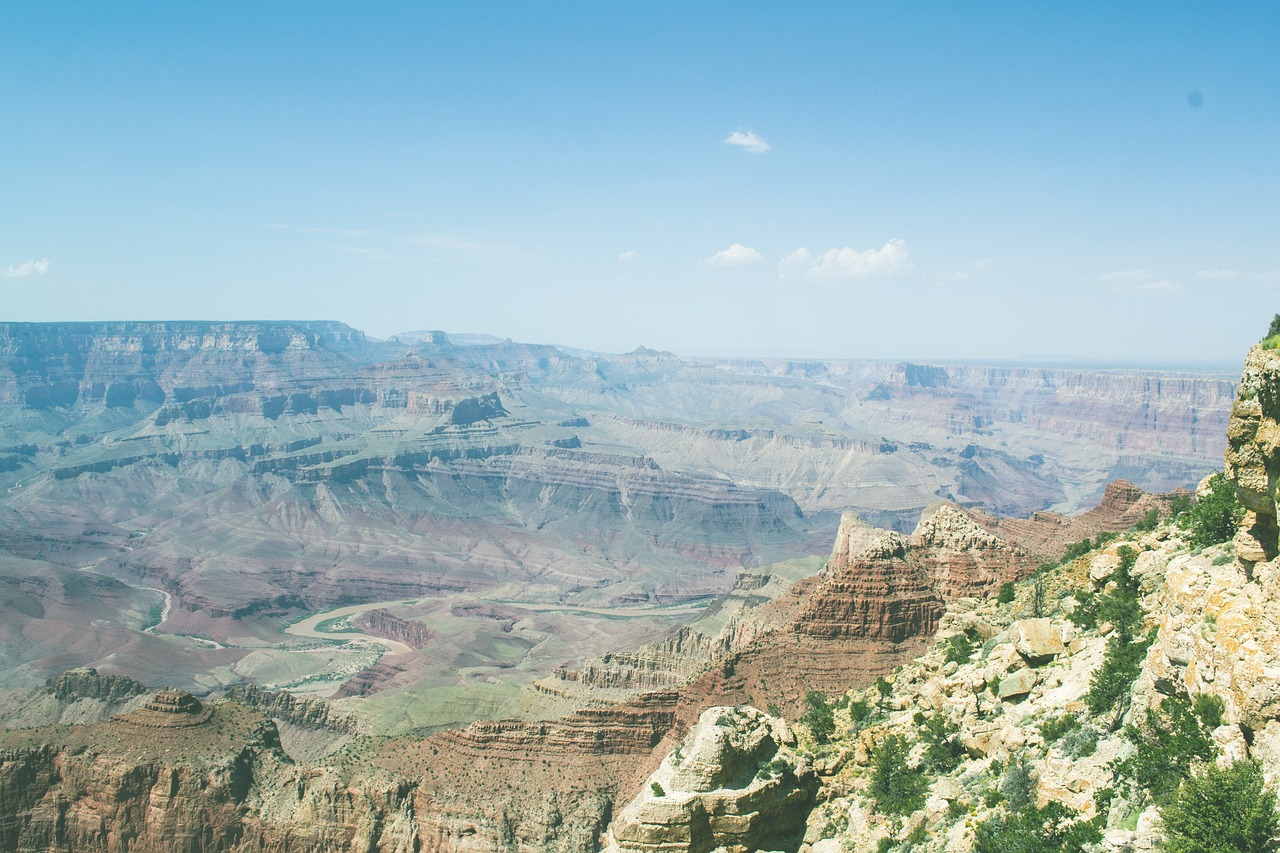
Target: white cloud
<point>629,257</point>
<point>1219,275</point>
<point>748,141</point>
<point>27,268</point>
<point>736,255</point>
<point>891,259</point>
<point>1141,281</point>
<point>956,276</point>
<point>1236,275</point>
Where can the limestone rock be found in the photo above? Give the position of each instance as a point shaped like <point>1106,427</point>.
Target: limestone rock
<point>1038,640</point>
<point>733,784</point>
<point>1253,451</point>
<point>1017,684</point>
<point>1102,567</point>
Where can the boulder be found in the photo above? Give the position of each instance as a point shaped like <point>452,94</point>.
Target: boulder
<point>1038,640</point>
<point>733,784</point>
<point>1017,684</point>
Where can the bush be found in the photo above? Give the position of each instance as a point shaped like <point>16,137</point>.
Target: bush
<point>819,716</point>
<point>1036,831</point>
<point>896,787</point>
<point>1222,811</point>
<point>859,711</point>
<point>657,789</point>
<point>1007,593</point>
<point>1085,615</point>
<point>1056,728</point>
<point>1168,741</point>
<point>1076,550</point>
<point>1121,664</point>
<point>1150,519</point>
<point>1081,742</point>
<point>1214,517</point>
<point>958,649</point>
<point>884,688</point>
<point>1209,709</point>
<point>1018,786</point>
<point>940,736</point>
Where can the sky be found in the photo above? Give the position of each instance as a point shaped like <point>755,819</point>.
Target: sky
<point>996,181</point>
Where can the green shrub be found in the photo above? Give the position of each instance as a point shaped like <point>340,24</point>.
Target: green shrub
<point>1007,593</point>
<point>1036,831</point>
<point>1168,741</point>
<point>1209,709</point>
<point>1121,664</point>
<point>1274,329</point>
<point>819,716</point>
<point>884,688</point>
<point>958,648</point>
<point>859,711</point>
<point>1214,517</point>
<point>1018,786</point>
<point>1179,505</point>
<point>1076,550</point>
<point>1081,742</point>
<point>1222,810</point>
<point>1055,728</point>
<point>1150,519</point>
<point>897,788</point>
<point>941,737</point>
<point>1085,615</point>
<point>657,789</point>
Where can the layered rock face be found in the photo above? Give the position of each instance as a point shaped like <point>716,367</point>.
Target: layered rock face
<point>382,623</point>
<point>734,784</point>
<point>1253,453</point>
<point>880,585</point>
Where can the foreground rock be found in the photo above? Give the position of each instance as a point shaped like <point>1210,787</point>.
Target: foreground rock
<point>734,783</point>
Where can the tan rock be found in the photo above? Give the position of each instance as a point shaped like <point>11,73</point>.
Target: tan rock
<point>1102,567</point>
<point>1038,641</point>
<point>1017,684</point>
<point>722,791</point>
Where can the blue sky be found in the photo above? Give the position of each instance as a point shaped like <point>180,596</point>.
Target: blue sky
<point>1099,181</point>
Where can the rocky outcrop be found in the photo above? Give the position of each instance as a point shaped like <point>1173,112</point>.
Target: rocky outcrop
<point>383,623</point>
<point>305,711</point>
<point>86,683</point>
<point>734,783</point>
<point>1253,453</point>
<point>76,696</point>
<point>880,585</point>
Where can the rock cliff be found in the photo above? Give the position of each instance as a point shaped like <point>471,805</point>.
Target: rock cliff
<point>1253,452</point>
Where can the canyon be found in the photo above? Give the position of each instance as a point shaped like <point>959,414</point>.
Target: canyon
<point>520,574</point>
